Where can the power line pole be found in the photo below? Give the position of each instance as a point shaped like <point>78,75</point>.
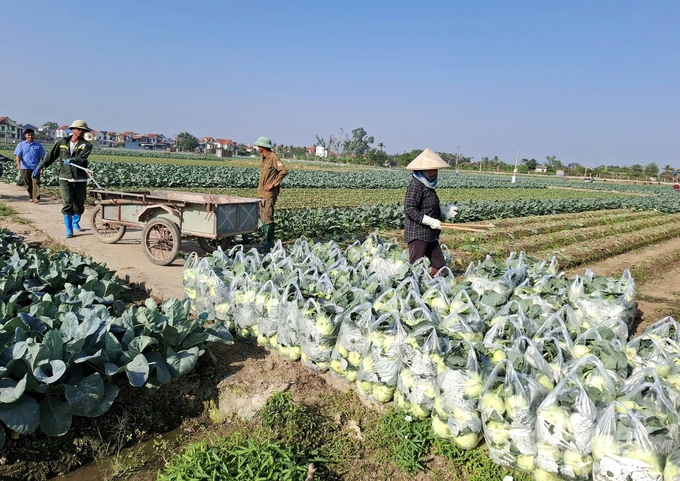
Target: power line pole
<point>514,172</point>
<point>457,158</point>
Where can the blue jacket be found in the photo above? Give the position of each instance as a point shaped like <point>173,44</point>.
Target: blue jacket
<point>29,155</point>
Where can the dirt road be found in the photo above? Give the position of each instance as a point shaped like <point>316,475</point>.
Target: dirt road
<point>125,257</point>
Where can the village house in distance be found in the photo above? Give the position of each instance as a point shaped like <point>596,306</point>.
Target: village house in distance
<point>13,132</point>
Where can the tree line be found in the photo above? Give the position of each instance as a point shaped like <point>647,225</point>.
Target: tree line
<point>358,148</point>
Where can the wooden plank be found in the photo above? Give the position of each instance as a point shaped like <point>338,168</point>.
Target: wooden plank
<point>460,227</point>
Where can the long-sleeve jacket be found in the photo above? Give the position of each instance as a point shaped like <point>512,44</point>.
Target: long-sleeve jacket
<point>61,151</point>
<point>272,171</point>
<point>420,201</point>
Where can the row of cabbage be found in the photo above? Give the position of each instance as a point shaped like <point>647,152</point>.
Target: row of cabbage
<point>152,176</point>
<point>539,365</point>
<point>322,223</point>
<point>66,331</point>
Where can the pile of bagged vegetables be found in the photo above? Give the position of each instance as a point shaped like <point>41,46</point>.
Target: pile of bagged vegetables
<point>539,365</point>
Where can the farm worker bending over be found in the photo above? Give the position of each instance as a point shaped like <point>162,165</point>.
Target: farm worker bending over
<point>29,153</point>
<point>70,151</point>
<point>272,172</point>
<point>422,212</point>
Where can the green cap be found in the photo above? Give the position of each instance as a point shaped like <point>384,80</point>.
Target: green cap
<point>264,142</point>
<point>80,124</point>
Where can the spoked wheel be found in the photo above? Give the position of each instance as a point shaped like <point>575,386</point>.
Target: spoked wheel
<point>211,245</point>
<point>103,230</point>
<point>161,240</point>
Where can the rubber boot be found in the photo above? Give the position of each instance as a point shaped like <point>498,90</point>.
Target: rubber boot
<point>266,245</point>
<point>68,222</point>
<point>76,223</point>
<point>270,236</point>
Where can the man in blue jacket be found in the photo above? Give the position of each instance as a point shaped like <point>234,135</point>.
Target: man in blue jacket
<point>28,154</point>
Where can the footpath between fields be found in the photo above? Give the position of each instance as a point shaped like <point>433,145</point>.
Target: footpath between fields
<point>126,257</point>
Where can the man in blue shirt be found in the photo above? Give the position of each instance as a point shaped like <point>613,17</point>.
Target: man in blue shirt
<point>29,153</point>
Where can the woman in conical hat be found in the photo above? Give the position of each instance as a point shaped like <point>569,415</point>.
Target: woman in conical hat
<point>422,213</point>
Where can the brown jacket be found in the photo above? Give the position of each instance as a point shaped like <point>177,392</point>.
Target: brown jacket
<point>272,171</point>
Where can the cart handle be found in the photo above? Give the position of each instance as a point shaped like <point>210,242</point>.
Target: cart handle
<point>89,174</point>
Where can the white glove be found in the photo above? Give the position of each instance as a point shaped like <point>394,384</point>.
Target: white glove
<point>434,223</point>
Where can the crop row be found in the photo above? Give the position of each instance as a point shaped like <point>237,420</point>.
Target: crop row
<point>152,176</point>
<point>555,233</point>
<point>329,223</point>
<point>573,247</point>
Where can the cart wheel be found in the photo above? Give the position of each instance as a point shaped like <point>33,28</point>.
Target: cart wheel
<point>211,245</point>
<point>103,230</point>
<point>161,239</point>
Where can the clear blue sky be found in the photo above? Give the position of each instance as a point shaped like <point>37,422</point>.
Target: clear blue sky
<point>594,82</point>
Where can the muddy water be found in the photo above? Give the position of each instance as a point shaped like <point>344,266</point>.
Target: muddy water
<point>105,468</point>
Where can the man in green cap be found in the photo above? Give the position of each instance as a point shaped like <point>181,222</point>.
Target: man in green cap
<point>71,151</point>
<point>272,172</point>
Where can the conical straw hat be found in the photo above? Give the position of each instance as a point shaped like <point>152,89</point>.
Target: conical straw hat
<point>427,160</point>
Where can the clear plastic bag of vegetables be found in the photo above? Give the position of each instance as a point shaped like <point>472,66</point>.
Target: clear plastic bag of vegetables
<point>666,327</point>
<point>318,333</point>
<point>565,425</point>
<point>248,262</point>
<point>327,252</point>
<point>189,276</point>
<point>563,326</point>
<point>381,360</point>
<point>421,355</point>
<point>671,471</point>
<point>536,269</point>
<point>267,312</point>
<point>606,346</point>
<point>204,284</point>
<point>348,296</point>
<point>665,375</point>
<point>243,292</point>
<point>491,276</point>
<point>646,397</point>
<point>553,289</point>
<point>596,299</point>
<point>414,317</point>
<point>527,358</point>
<point>513,309</point>
<point>219,298</point>
<point>650,350</point>
<point>555,356</point>
<point>321,288</point>
<point>501,336</point>
<point>463,318</point>
<point>601,384</point>
<point>291,305</point>
<point>389,263</point>
<point>299,250</point>
<point>623,449</point>
<point>351,342</point>
<point>533,305</point>
<point>459,385</point>
<point>436,301</point>
<point>370,283</point>
<point>340,273</point>
<point>508,407</point>
<point>387,302</point>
